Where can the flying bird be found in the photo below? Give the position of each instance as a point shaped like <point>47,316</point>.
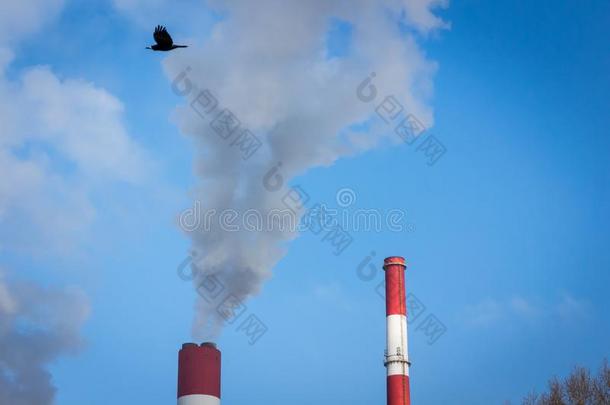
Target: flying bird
<point>164,41</point>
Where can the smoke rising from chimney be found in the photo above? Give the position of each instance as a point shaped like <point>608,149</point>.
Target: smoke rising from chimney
<point>270,63</point>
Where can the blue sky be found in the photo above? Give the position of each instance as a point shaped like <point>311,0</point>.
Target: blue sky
<point>510,227</point>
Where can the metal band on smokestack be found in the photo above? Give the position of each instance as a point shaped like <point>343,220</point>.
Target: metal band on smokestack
<point>397,354</point>
<point>199,374</point>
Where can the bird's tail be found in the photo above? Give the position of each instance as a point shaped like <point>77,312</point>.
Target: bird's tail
<point>181,46</point>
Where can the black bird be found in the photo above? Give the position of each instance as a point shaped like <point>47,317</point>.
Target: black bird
<point>163,40</point>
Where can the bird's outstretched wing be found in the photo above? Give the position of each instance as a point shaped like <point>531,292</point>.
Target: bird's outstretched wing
<point>162,37</point>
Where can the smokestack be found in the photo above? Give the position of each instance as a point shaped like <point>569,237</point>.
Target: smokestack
<point>396,355</point>
<point>199,374</point>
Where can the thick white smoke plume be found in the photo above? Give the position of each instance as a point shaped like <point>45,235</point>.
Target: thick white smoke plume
<point>37,325</point>
<point>270,64</point>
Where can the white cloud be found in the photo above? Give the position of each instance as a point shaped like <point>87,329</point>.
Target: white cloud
<point>83,123</point>
<point>523,307</point>
<point>187,15</point>
<point>7,302</point>
<point>484,313</point>
<point>491,311</point>
<point>61,139</point>
<point>419,13</point>
<point>570,308</point>
<point>19,19</point>
<point>333,294</point>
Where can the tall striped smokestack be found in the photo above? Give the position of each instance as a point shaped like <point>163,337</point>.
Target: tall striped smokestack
<point>397,355</point>
<point>199,374</point>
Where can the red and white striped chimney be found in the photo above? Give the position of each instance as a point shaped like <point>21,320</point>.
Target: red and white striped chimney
<point>397,354</point>
<point>199,374</point>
